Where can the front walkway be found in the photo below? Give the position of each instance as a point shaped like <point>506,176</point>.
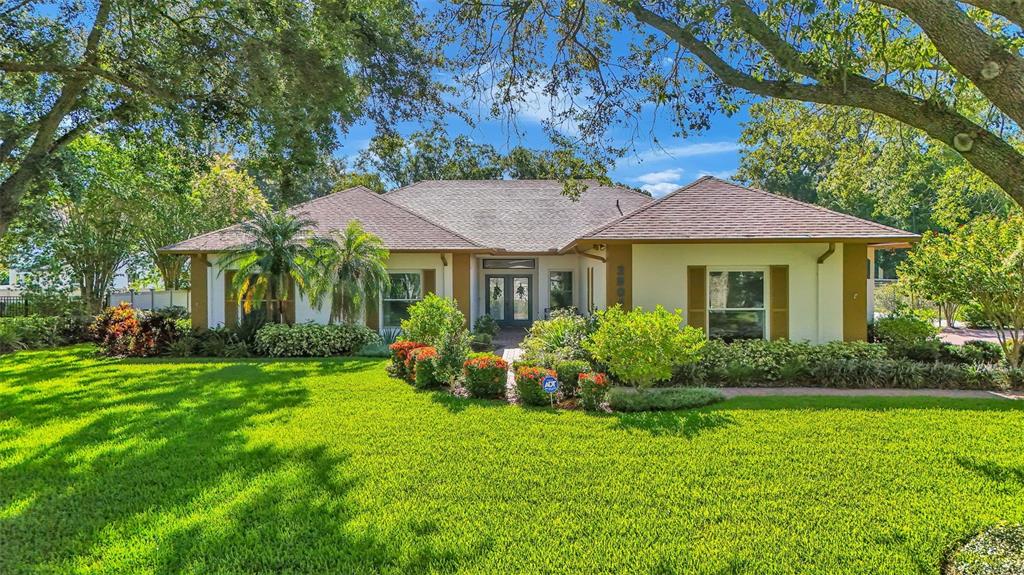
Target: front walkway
<point>506,343</point>
<point>794,391</point>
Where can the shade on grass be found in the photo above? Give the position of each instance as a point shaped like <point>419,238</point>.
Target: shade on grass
<point>329,466</point>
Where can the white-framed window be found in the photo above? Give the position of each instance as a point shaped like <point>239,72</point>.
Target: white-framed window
<point>560,289</point>
<point>736,303</point>
<point>406,289</point>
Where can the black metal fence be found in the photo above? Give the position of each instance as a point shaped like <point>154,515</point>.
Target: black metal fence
<point>14,305</point>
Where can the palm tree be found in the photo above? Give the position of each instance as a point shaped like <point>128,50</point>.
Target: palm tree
<point>279,250</point>
<point>353,271</point>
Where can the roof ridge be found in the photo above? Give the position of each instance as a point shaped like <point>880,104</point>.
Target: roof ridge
<point>642,208</point>
<point>425,219</point>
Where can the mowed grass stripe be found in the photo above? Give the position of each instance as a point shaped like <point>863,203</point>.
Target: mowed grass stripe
<point>199,466</point>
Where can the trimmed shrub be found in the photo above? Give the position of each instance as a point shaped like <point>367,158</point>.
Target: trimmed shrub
<point>312,340</point>
<point>529,382</point>
<point>593,388</point>
<point>124,331</point>
<point>375,349</point>
<point>486,375</point>
<point>906,336</point>
<point>568,373</point>
<point>641,348</point>
<point>974,351</point>
<point>423,367</point>
<point>562,335</point>
<point>661,399</point>
<point>400,357</point>
<point>481,342</point>
<point>485,324</point>
<point>437,322</point>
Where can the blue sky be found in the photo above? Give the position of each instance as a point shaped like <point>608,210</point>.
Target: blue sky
<point>660,164</point>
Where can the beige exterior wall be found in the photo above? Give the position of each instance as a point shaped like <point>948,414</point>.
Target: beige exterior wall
<point>816,292</point>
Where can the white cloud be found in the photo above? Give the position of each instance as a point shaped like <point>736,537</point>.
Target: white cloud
<point>661,182</point>
<point>658,190</point>
<point>688,151</point>
<point>723,174</point>
<point>663,176</point>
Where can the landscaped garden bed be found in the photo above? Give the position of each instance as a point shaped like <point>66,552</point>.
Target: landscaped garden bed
<point>308,465</point>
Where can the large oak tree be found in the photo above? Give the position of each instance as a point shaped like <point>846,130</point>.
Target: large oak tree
<point>284,76</point>
<point>953,70</point>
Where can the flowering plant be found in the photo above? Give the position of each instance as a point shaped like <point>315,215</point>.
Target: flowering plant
<point>593,388</point>
<point>528,383</point>
<point>486,375</point>
<point>400,357</point>
<point>421,367</point>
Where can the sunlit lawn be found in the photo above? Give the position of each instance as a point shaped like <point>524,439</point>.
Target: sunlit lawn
<point>329,466</point>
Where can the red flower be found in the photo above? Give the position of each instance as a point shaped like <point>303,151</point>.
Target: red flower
<point>595,379</point>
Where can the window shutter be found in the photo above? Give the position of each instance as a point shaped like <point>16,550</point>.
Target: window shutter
<point>429,281</point>
<point>779,302</point>
<point>697,297</point>
<point>230,301</point>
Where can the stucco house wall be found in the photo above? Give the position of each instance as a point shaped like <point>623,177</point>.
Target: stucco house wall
<point>815,296</point>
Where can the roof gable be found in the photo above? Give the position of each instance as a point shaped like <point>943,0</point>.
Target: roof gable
<point>713,209</point>
<point>399,228</point>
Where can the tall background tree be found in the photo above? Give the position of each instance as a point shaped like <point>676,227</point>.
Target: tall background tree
<point>951,70</point>
<point>285,77</point>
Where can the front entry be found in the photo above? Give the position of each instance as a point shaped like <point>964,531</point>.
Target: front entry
<point>508,299</point>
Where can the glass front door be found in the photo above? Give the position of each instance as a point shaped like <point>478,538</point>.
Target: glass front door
<point>508,299</point>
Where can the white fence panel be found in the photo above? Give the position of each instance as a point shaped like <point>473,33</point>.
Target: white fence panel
<point>152,299</point>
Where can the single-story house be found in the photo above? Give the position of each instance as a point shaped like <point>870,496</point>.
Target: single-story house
<point>738,262</point>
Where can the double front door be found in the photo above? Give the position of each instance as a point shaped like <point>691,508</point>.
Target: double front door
<point>508,299</point>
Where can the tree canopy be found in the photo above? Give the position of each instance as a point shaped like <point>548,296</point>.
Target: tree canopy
<point>952,70</point>
<point>284,77</point>
<point>431,154</point>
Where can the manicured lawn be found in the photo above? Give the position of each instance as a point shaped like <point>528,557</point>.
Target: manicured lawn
<point>329,466</point>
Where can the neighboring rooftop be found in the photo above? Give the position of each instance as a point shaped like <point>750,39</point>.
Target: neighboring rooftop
<point>517,215</point>
<point>715,210</point>
<point>399,228</point>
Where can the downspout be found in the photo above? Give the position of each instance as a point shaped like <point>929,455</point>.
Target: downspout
<point>817,286</point>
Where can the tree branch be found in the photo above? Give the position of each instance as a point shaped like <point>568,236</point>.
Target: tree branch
<point>1012,10</point>
<point>783,51</point>
<point>997,72</point>
<point>984,150</point>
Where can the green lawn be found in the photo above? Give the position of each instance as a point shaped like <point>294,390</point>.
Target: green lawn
<point>330,466</point>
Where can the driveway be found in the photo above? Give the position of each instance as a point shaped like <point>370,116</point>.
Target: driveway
<point>960,335</point>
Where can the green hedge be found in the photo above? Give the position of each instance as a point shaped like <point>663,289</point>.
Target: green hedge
<point>760,363</point>
<point>661,398</point>
<point>312,340</point>
<point>34,332</point>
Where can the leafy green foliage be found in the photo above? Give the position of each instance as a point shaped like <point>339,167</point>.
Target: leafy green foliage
<point>529,386</point>
<point>283,80</point>
<point>424,366</point>
<point>486,375</point>
<point>908,336</point>
<point>353,269</point>
<point>593,389</point>
<point>982,262</point>
<point>312,340</point>
<point>661,398</point>
<point>485,324</point>
<point>561,336</point>
<point>18,333</point>
<point>124,331</point>
<point>275,445</point>
<point>438,322</point>
<point>277,253</point>
<point>568,373</point>
<point>642,348</point>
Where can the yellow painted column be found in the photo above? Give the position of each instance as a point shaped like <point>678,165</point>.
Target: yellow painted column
<point>855,286</point>
<point>619,275</point>
<point>460,283</point>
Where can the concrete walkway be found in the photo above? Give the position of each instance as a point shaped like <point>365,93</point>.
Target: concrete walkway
<point>793,391</point>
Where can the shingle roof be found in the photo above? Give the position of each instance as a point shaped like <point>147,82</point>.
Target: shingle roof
<point>517,215</point>
<point>713,209</point>
<point>399,228</point>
